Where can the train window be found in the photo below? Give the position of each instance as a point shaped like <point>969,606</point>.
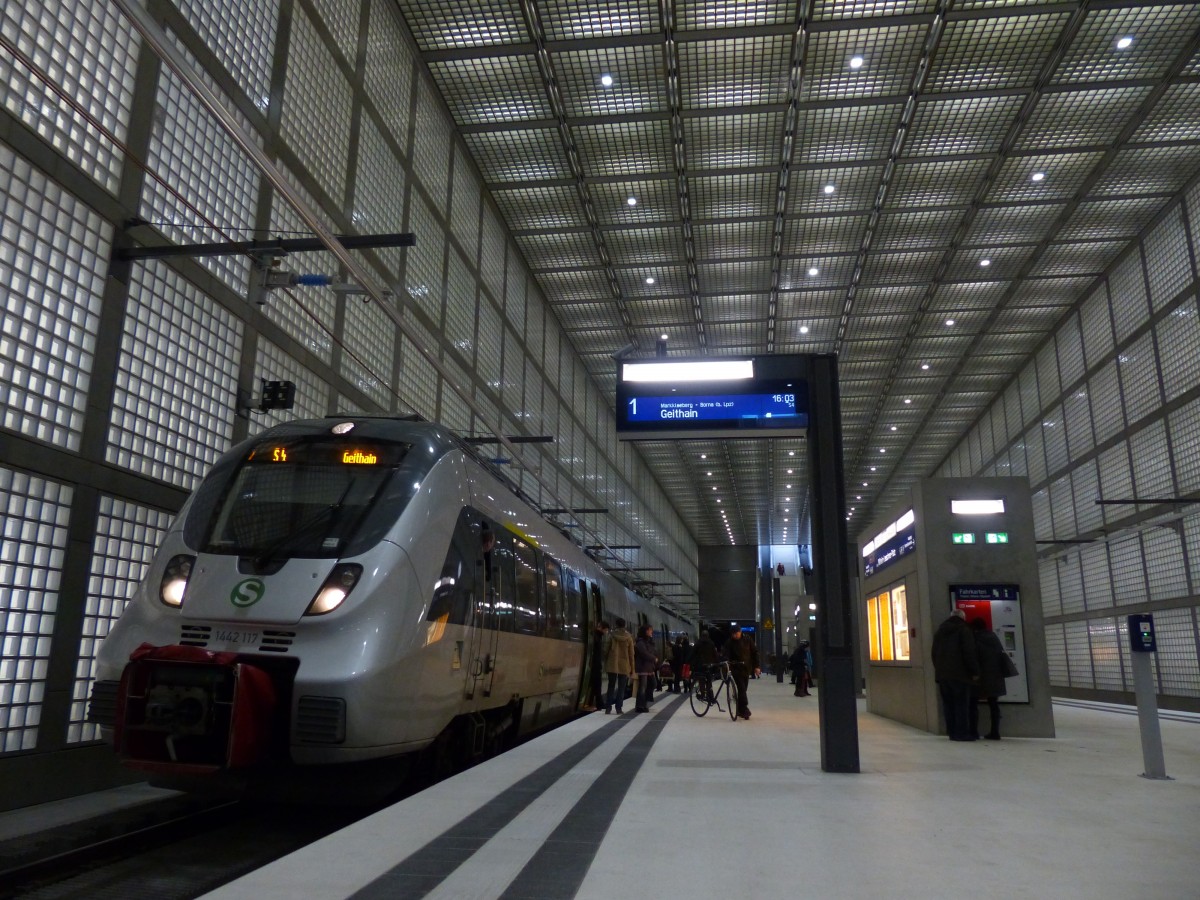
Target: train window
<point>573,605</point>
<point>526,603</point>
<point>552,619</point>
<point>302,499</point>
<point>454,591</point>
<point>504,582</point>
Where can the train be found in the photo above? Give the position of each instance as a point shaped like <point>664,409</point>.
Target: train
<point>344,593</point>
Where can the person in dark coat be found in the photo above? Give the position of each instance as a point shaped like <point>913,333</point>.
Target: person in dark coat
<point>681,657</point>
<point>645,663</point>
<point>956,669</point>
<point>991,686</point>
<point>800,667</point>
<point>705,651</point>
<point>743,659</point>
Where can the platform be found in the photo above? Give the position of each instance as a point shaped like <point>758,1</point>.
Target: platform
<point>669,805</point>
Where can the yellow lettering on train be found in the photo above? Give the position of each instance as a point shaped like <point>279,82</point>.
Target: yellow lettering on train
<point>357,457</point>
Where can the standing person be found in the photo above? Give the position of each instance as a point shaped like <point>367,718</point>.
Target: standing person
<point>646,666</point>
<point>994,666</point>
<point>956,669</point>
<point>743,659</point>
<point>800,668</point>
<point>705,651</point>
<point>595,696</point>
<point>680,658</point>
<point>618,663</point>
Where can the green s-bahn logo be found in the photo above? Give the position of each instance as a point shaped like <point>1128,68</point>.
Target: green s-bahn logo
<point>247,593</point>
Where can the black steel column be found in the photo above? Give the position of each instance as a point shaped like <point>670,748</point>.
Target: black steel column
<point>835,631</point>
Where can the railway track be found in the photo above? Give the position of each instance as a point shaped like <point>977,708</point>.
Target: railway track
<point>183,855</point>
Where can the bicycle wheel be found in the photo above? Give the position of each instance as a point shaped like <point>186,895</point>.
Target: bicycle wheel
<point>701,694</point>
<point>731,697</point>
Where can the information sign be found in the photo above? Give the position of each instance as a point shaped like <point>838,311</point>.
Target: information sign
<point>963,537</point>
<point>995,537</point>
<point>1141,633</point>
<point>683,399</point>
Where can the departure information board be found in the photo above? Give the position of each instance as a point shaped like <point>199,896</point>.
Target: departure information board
<point>699,399</point>
<point>712,407</point>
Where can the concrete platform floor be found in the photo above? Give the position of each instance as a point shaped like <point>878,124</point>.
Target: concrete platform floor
<point>711,808</point>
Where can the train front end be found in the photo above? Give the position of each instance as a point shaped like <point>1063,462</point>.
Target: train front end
<point>276,595</point>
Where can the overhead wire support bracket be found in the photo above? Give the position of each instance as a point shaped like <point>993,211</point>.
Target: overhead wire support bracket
<point>273,246</point>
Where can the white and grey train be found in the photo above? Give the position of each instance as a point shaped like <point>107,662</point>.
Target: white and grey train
<point>348,590</point>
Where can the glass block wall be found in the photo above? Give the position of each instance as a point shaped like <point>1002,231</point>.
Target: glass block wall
<point>119,388</point>
<point>1109,410</point>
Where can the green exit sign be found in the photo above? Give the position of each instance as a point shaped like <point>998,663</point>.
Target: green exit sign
<point>963,537</point>
<point>996,537</point>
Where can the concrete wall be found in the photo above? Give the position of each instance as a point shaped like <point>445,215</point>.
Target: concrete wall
<point>728,583</point>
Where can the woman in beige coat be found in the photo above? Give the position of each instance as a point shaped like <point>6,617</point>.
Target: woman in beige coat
<point>618,663</point>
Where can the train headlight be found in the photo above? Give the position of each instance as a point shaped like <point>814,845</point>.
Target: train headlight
<point>337,587</point>
<point>175,579</point>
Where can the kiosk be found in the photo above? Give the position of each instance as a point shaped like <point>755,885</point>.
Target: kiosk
<point>963,543</point>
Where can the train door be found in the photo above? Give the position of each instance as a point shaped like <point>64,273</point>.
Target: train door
<point>587,623</point>
<point>592,612</point>
<point>482,634</point>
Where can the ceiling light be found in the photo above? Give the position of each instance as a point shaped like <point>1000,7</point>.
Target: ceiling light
<point>949,321</point>
<point>632,201</point>
<point>883,450</point>
<point>864,483</point>
<point>704,456</point>
<point>789,471</point>
<point>1037,176</point>
<point>985,262</point>
<point>791,453</point>
<point>856,62</point>
<point>908,399</point>
<point>977,507</point>
<point>813,270</point>
<point>829,189</point>
<point>858,496</point>
<point>606,80</point>
<point>804,329</point>
<point>714,487</point>
<point>872,469</point>
<point>789,487</point>
<point>893,428</point>
<point>709,474</point>
<point>649,279</point>
<point>924,366</point>
<point>663,337</point>
<point>1124,43</point>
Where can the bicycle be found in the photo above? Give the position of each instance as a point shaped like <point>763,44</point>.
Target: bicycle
<point>708,684</point>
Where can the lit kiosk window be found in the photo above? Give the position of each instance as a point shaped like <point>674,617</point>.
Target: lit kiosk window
<point>887,611</point>
<point>887,625</point>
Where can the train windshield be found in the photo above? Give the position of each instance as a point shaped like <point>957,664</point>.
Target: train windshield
<point>301,497</point>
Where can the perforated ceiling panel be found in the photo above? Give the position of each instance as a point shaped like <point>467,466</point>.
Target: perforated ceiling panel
<point>923,188</point>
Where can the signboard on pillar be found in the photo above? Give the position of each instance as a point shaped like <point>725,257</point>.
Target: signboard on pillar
<point>677,399</point>
<point>999,605</point>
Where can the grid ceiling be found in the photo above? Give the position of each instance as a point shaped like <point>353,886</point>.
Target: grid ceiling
<point>793,201</point>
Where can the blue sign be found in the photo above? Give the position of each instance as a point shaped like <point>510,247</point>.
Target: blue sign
<point>713,408</point>
<point>903,543</point>
<point>1141,633</point>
